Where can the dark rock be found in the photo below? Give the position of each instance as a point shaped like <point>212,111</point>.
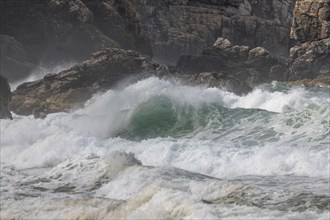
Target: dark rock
<point>218,80</point>
<point>310,60</point>
<point>252,66</point>
<point>189,26</point>
<point>71,88</point>
<point>57,31</point>
<point>5,97</point>
<point>13,59</point>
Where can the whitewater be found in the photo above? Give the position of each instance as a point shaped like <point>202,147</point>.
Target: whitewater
<point>157,149</point>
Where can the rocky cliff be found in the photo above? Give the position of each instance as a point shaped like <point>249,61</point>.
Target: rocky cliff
<point>251,65</point>
<point>48,32</point>
<point>188,26</point>
<point>310,57</point>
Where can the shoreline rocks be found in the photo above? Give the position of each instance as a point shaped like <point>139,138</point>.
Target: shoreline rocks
<point>310,58</point>
<point>72,87</point>
<point>5,97</point>
<point>253,66</point>
<point>188,26</point>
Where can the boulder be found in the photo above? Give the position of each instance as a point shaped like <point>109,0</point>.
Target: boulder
<point>5,97</point>
<point>72,87</point>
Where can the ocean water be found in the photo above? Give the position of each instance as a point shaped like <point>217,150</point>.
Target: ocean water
<point>160,150</point>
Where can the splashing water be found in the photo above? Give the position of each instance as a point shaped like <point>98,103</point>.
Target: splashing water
<point>158,149</point>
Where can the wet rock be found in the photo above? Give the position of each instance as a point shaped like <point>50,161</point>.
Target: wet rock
<point>70,88</point>
<point>5,97</point>
<point>218,80</point>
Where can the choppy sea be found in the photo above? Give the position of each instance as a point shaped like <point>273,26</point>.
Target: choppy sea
<point>157,149</point>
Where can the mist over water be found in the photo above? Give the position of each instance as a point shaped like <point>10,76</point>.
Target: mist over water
<point>158,149</point>
<point>41,71</point>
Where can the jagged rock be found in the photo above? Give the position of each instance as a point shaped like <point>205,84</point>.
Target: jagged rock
<point>311,20</point>
<point>252,66</point>
<point>71,88</point>
<point>310,60</point>
<point>5,97</point>
<point>189,26</point>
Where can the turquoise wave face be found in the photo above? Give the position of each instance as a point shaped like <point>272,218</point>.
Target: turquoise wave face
<point>162,117</point>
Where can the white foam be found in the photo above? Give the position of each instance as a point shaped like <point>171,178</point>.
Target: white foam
<point>272,145</point>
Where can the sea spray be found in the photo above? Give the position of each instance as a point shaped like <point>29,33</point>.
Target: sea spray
<point>174,150</point>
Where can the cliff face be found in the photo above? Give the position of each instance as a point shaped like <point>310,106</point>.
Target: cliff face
<point>187,26</point>
<point>310,57</point>
<point>311,20</point>
<point>55,31</point>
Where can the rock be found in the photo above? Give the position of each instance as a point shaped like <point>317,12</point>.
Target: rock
<point>71,88</point>
<point>320,81</point>
<point>5,97</point>
<point>311,20</point>
<point>310,57</point>
<point>13,59</point>
<point>189,26</point>
<point>74,10</point>
<point>218,80</point>
<point>251,66</point>
<point>60,31</point>
<point>121,21</point>
<point>310,60</point>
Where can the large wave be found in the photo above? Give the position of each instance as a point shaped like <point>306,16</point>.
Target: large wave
<point>275,130</point>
